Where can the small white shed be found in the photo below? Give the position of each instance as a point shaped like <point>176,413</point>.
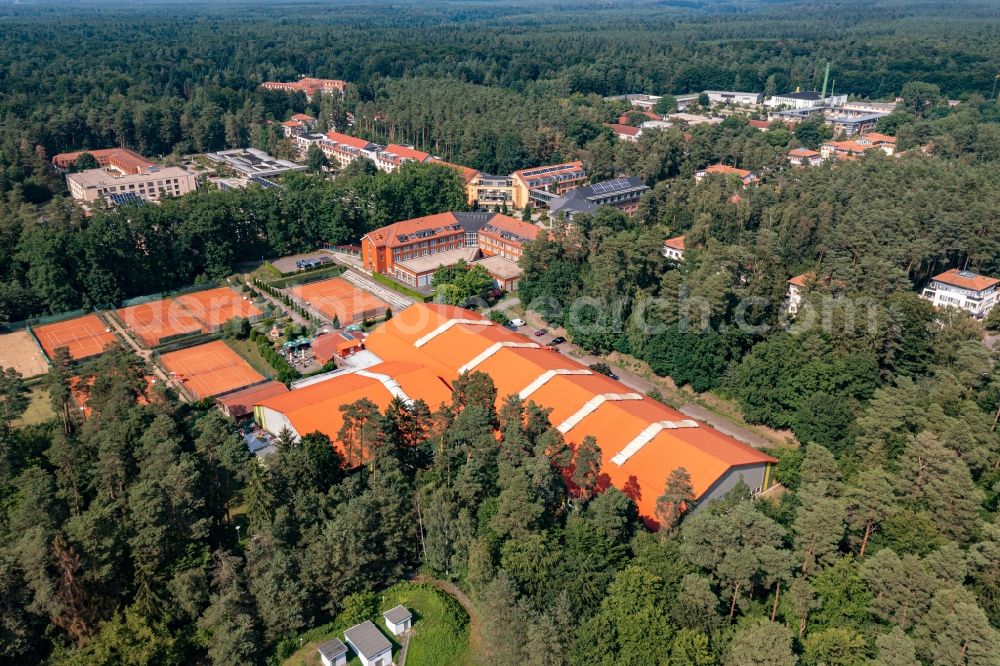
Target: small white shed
<point>370,644</point>
<point>333,653</point>
<point>398,620</point>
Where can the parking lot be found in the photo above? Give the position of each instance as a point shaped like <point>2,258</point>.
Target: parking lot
<point>287,264</point>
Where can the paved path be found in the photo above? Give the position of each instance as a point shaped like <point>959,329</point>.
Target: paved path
<point>637,383</point>
<point>349,260</point>
<point>463,599</point>
<point>396,300</point>
<point>273,300</point>
<point>144,354</point>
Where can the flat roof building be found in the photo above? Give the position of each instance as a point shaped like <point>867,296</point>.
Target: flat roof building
<point>805,100</point>
<point>557,179</point>
<point>252,162</point>
<point>620,193</point>
<point>732,97</point>
<point>153,184</point>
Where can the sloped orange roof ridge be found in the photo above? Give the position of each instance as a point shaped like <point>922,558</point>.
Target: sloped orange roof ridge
<point>652,438</point>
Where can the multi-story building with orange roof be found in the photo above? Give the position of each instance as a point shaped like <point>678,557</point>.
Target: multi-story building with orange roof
<point>412,250</point>
<point>557,179</point>
<point>642,440</point>
<point>344,148</point>
<point>505,237</point>
<point>128,162</point>
<point>974,293</point>
<point>308,85</point>
<point>396,155</point>
<point>797,287</point>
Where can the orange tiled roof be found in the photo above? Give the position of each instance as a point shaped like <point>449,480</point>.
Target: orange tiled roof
<point>581,401</point>
<point>803,280</point>
<point>759,124</point>
<point>676,243</point>
<point>406,152</point>
<point>348,140</point>
<point>725,168</point>
<point>515,226</point>
<point>240,403</point>
<point>467,173</point>
<point>327,346</point>
<point>123,158</point>
<point>803,152</point>
<point>875,137</point>
<point>388,236</point>
<point>966,280</point>
<point>627,130</point>
<point>304,117</point>
<point>316,407</point>
<point>292,123</point>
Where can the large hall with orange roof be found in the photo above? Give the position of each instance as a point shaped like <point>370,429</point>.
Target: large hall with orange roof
<point>425,347</point>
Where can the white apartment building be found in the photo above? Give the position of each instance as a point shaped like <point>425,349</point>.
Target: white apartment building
<point>974,293</point>
<point>153,184</point>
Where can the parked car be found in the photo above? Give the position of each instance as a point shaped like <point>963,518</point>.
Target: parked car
<point>517,323</point>
<point>540,332</point>
<point>558,340</point>
<point>604,369</point>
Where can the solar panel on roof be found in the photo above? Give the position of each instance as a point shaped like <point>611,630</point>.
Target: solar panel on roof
<point>126,198</point>
<point>967,274</point>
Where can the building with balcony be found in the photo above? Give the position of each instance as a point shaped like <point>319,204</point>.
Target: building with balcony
<point>555,179</point>
<point>620,193</point>
<point>974,293</point>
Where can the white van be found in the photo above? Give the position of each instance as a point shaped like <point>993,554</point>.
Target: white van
<point>517,323</point>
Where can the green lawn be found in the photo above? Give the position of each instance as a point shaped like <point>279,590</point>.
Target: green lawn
<point>249,350</point>
<point>39,410</point>
<point>440,625</point>
<point>440,632</point>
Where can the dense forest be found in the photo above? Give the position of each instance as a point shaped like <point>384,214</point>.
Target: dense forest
<point>118,539</point>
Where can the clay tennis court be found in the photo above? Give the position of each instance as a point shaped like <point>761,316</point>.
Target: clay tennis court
<point>158,321</point>
<point>19,351</point>
<point>215,307</point>
<point>341,299</point>
<point>84,336</point>
<point>206,311</point>
<point>210,369</point>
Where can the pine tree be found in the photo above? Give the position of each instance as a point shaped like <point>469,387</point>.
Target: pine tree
<point>677,499</point>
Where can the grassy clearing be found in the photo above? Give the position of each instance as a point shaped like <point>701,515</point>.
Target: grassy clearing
<point>266,271</point>
<point>249,350</point>
<point>39,410</point>
<point>440,625</point>
<point>440,633</point>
